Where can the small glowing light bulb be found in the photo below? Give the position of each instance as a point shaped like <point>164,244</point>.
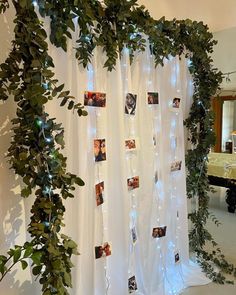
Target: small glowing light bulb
<point>39,122</point>
<point>46,223</point>
<point>45,86</point>
<point>48,139</point>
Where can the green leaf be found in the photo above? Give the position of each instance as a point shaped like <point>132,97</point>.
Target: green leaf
<point>64,237</point>
<point>64,101</point>
<point>37,270</point>
<point>70,24</point>
<point>57,265</point>
<point>24,264</point>
<point>59,138</point>
<point>23,156</point>
<point>36,257</point>
<point>17,254</point>
<point>36,63</point>
<point>84,113</point>
<point>71,104</point>
<point>59,88</point>
<point>67,279</point>
<point>22,3</point>
<point>28,251</point>
<point>25,192</point>
<point>71,244</point>
<point>63,94</point>
<point>79,181</point>
<point>2,268</point>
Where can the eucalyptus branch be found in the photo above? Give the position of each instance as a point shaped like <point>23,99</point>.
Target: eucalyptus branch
<point>35,155</point>
<point>4,4</point>
<point>9,268</point>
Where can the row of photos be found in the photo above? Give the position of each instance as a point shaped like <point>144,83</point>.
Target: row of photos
<point>98,99</point>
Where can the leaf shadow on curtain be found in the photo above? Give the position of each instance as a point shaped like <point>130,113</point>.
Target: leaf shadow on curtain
<point>13,220</point>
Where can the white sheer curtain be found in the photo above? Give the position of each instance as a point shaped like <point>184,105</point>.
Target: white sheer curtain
<point>153,204</point>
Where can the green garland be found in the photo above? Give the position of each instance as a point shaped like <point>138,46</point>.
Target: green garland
<point>35,154</point>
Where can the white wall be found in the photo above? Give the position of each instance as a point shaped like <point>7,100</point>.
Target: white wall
<point>218,15</point>
<point>224,55</point>
<point>224,58</point>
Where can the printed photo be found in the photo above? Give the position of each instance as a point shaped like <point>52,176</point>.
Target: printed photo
<point>153,97</point>
<point>132,284</point>
<point>94,99</point>
<point>133,183</point>
<point>98,252</point>
<point>130,103</point>
<point>99,189</point>
<point>107,249</point>
<point>176,103</point>
<point>156,176</point>
<point>154,138</point>
<point>134,235</point>
<point>99,150</point>
<point>130,144</point>
<point>103,251</point>
<point>175,166</point>
<point>177,257</point>
<point>159,232</point>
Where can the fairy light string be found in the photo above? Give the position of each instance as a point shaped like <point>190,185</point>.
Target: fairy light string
<point>104,221</point>
<point>47,189</point>
<point>130,155</point>
<point>99,177</point>
<point>157,184</point>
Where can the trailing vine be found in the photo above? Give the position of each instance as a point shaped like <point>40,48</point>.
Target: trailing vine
<point>35,151</point>
<point>35,154</point>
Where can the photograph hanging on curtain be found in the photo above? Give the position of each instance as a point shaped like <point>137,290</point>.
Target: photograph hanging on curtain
<point>133,183</point>
<point>154,139</point>
<point>156,176</point>
<point>99,189</point>
<point>159,232</point>
<point>177,258</point>
<point>99,150</point>
<point>176,103</point>
<point>103,250</point>
<point>132,284</point>
<point>95,99</point>
<point>130,104</point>
<point>130,144</point>
<point>134,235</point>
<point>176,166</point>
<point>153,98</point>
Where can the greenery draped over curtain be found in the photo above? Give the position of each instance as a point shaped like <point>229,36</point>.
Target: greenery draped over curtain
<point>35,151</point>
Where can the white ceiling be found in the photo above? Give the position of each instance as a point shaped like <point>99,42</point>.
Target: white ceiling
<point>218,14</point>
